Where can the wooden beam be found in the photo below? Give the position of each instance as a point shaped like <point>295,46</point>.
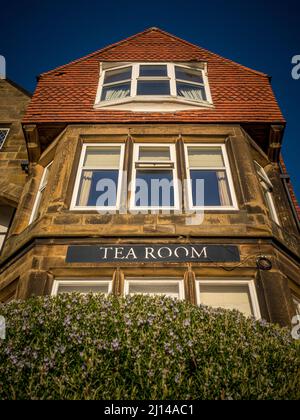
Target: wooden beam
<point>33,143</point>
<point>275,141</point>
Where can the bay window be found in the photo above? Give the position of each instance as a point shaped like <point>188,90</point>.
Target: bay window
<point>99,177</point>
<point>209,180</point>
<point>229,294</point>
<point>155,287</point>
<point>152,82</point>
<point>154,177</point>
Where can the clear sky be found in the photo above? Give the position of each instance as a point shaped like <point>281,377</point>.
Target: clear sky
<point>37,36</point>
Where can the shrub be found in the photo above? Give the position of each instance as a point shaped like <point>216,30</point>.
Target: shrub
<point>93,347</point>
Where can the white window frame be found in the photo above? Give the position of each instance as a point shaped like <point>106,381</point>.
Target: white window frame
<point>155,280</point>
<point>232,282</point>
<point>81,167</point>
<point>41,189</point>
<point>267,188</point>
<point>82,282</point>
<point>161,165</point>
<point>226,168</point>
<point>6,130</point>
<point>150,98</point>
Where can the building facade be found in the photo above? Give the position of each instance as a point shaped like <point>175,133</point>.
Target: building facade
<point>13,154</point>
<point>155,167</point>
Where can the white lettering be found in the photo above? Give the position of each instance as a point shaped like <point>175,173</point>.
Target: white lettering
<point>119,253</point>
<point>204,252</point>
<point>131,254</point>
<point>181,247</point>
<point>149,252</point>
<point>159,252</point>
<point>106,251</point>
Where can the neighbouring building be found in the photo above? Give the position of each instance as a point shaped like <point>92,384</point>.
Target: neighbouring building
<point>121,145</point>
<point>13,157</point>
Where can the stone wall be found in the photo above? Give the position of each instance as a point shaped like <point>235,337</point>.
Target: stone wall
<point>13,103</point>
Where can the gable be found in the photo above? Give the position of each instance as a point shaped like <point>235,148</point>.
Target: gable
<point>239,94</point>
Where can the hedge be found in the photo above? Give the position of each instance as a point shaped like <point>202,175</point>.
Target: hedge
<point>95,347</point>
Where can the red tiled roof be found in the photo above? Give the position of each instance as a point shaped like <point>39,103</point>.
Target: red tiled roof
<point>67,94</point>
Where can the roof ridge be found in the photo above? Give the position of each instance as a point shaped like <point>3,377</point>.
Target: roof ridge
<point>153,28</point>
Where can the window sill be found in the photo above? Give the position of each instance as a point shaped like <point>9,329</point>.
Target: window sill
<point>153,104</point>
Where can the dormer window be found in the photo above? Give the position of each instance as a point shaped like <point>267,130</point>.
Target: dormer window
<point>146,86</point>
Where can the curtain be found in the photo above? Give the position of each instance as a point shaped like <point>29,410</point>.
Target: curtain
<point>171,290</point>
<point>205,157</point>
<point>115,92</point>
<point>102,157</point>
<point>223,188</point>
<point>227,297</point>
<point>86,183</point>
<point>194,93</point>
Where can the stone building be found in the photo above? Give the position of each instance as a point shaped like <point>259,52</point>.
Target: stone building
<point>155,113</point>
<point>13,153</point>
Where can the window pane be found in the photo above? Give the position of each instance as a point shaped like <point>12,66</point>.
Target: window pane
<point>37,205</point>
<point>98,187</point>
<point>104,157</point>
<point>152,288</point>
<point>83,288</point>
<point>227,297</point>
<point>149,154</point>
<point>188,75</point>
<point>156,71</point>
<point>205,157</point>
<point>216,191</point>
<point>271,206</point>
<point>112,76</point>
<point>191,92</point>
<point>46,176</point>
<point>159,87</point>
<point>3,135</point>
<point>154,188</point>
<point>112,93</point>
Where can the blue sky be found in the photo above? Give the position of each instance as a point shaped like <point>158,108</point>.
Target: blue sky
<point>37,36</point>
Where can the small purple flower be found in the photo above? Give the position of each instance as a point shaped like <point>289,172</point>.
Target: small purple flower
<point>186,323</point>
<point>128,322</point>
<point>115,344</point>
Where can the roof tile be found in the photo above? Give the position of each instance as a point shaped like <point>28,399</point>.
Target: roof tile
<point>67,94</point>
